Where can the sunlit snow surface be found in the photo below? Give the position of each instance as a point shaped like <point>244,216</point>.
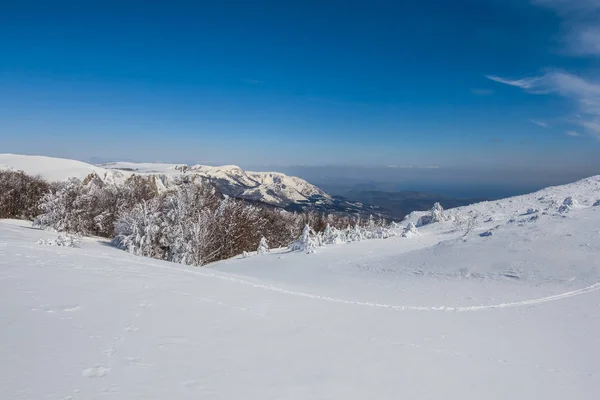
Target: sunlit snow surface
<point>514,315</point>
<point>269,187</point>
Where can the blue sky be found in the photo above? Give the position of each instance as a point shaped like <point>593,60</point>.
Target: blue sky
<point>477,83</point>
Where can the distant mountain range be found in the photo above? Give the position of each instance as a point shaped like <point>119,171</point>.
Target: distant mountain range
<point>273,188</point>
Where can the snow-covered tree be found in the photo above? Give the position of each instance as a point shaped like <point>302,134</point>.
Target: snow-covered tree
<point>20,194</point>
<point>139,230</point>
<point>410,230</point>
<point>465,222</point>
<point>597,203</point>
<point>307,242</point>
<point>382,232</point>
<point>263,246</point>
<point>436,214</point>
<point>355,234</point>
<point>371,224</point>
<point>332,235</point>
<point>64,208</point>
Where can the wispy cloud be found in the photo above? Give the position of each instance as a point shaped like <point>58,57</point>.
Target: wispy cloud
<point>537,122</point>
<point>581,33</point>
<point>573,133</point>
<point>583,93</point>
<point>482,92</point>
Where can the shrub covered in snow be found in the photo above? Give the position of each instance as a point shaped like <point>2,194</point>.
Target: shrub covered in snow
<point>436,214</point>
<point>355,234</point>
<point>597,203</point>
<point>139,230</point>
<point>465,223</point>
<point>263,246</point>
<point>90,208</point>
<point>410,230</point>
<point>307,242</point>
<point>61,241</point>
<point>20,194</point>
<point>333,235</point>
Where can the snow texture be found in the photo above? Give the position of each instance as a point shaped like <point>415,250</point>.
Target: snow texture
<point>442,315</point>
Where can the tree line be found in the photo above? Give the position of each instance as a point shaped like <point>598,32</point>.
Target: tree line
<point>191,223</point>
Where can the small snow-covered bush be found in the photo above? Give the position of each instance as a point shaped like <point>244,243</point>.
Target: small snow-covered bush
<point>263,246</point>
<point>410,230</point>
<point>465,223</point>
<point>355,234</point>
<point>380,232</point>
<point>531,211</point>
<point>436,214</point>
<point>61,241</point>
<point>332,235</point>
<point>597,203</point>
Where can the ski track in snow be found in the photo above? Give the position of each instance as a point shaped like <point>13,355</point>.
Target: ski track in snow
<point>531,302</point>
<point>566,295</point>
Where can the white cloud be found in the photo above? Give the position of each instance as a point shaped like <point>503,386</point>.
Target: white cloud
<point>581,34</point>
<point>573,133</point>
<point>543,124</point>
<point>584,94</point>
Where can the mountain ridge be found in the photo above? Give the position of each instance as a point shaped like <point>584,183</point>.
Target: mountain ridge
<point>272,188</point>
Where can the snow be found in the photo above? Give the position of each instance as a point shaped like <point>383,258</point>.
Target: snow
<point>270,187</point>
<point>49,168</point>
<point>442,314</point>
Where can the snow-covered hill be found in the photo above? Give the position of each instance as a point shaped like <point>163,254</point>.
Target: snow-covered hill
<point>269,187</point>
<point>448,313</point>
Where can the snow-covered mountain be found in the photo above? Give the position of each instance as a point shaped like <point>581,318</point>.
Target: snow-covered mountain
<point>268,187</point>
<point>504,308</point>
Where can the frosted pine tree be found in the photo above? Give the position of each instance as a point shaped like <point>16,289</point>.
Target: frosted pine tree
<point>355,234</point>
<point>307,241</point>
<point>436,214</point>
<point>263,246</point>
<point>371,224</point>
<point>332,235</point>
<point>410,230</point>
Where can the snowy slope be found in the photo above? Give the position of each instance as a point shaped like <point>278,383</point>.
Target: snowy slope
<point>440,315</point>
<point>51,168</point>
<point>268,187</point>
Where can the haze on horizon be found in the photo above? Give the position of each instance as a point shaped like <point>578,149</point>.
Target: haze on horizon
<point>499,86</point>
